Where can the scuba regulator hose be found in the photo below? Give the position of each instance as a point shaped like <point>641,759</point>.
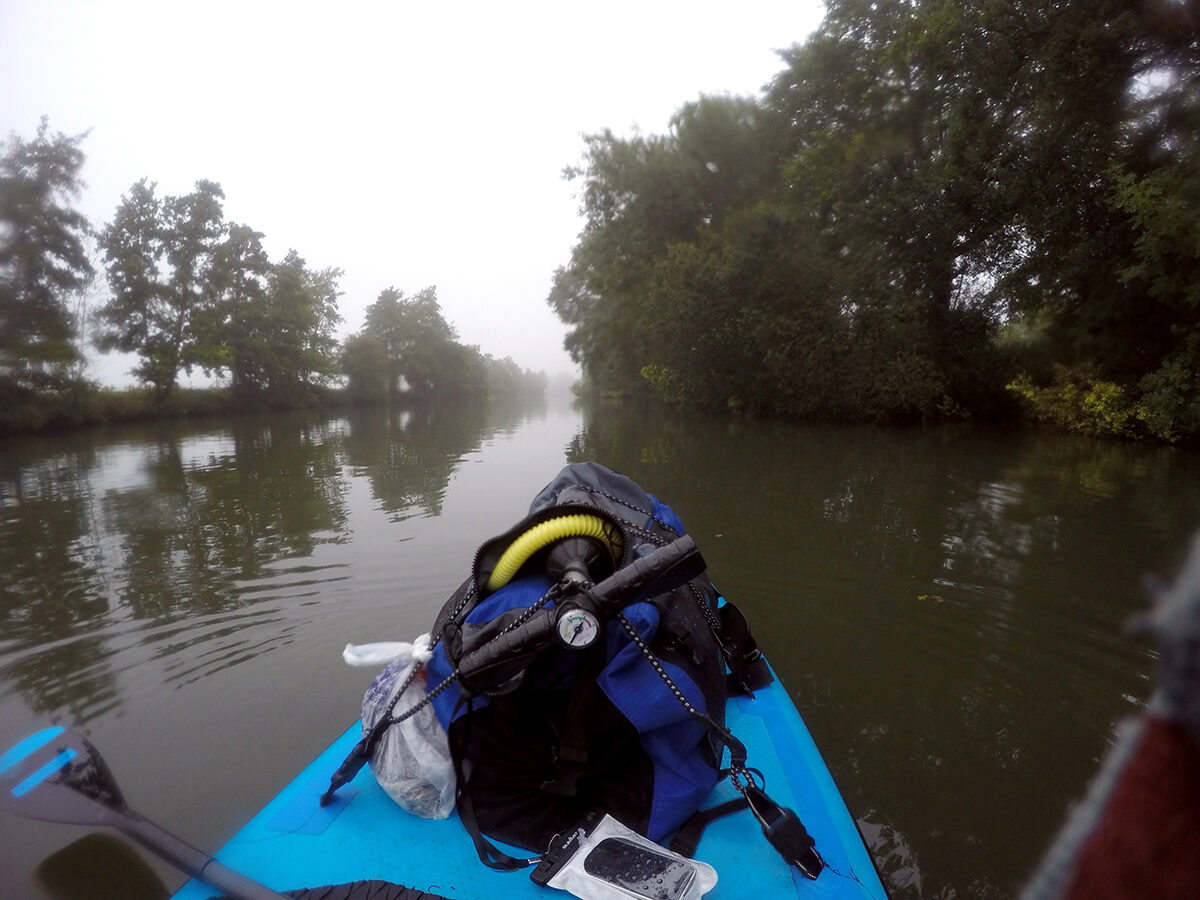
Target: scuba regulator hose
<point>550,532</point>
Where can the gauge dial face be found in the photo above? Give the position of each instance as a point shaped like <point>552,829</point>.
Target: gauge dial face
<point>578,628</point>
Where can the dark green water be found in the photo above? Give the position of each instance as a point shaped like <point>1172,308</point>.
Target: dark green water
<point>945,605</point>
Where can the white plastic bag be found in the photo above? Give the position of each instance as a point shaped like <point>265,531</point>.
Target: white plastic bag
<point>412,761</point>
<point>380,654</point>
<point>615,863</point>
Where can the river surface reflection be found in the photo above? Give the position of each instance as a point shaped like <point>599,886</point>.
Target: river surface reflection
<point>946,606</point>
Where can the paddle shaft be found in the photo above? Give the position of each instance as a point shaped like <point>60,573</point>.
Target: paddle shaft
<point>188,859</point>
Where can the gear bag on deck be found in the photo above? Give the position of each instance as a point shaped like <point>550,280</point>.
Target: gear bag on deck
<point>582,669</point>
<point>585,723</point>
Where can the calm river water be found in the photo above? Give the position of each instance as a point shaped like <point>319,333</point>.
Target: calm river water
<point>946,606</point>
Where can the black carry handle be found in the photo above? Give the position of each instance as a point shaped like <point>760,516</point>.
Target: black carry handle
<point>665,569</point>
<point>506,655</point>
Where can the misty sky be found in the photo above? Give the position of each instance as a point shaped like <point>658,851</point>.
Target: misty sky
<point>408,144</point>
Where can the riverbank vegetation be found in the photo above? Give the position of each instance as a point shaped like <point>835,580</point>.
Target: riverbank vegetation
<point>934,210</point>
<point>187,290</point>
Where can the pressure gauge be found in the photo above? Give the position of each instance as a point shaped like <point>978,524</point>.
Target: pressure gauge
<point>577,627</point>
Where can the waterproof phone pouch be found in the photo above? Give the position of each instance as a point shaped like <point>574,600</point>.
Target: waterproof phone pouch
<point>616,863</point>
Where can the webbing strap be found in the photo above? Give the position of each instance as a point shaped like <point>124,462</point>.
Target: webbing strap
<point>571,756</point>
<point>685,841</point>
<point>748,669</point>
<point>489,854</point>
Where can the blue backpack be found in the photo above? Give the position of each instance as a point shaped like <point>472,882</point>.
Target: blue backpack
<point>592,661</point>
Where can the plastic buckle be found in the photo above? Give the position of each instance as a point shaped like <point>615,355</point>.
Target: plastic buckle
<point>785,832</point>
<point>562,847</point>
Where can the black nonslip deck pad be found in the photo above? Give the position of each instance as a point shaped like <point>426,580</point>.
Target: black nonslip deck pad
<point>359,890</point>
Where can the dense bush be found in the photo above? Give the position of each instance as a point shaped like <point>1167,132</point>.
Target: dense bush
<point>930,201</point>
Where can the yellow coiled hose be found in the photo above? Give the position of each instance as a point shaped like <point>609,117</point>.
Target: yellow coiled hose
<point>546,533</point>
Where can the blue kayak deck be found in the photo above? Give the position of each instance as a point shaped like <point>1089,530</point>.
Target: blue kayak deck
<point>293,843</point>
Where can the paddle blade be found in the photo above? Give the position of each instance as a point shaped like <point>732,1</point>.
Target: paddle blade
<point>57,776</point>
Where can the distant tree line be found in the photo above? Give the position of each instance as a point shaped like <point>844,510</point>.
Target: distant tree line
<point>189,290</point>
<point>936,208</point>
<point>407,349</point>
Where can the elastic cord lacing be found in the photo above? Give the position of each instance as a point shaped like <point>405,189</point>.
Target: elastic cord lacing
<point>364,750</point>
<point>389,720</point>
<point>739,773</point>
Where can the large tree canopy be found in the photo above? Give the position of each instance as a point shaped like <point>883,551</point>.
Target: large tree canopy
<point>161,254</point>
<point>294,347</point>
<point>931,199</point>
<point>414,335</point>
<point>43,260</point>
<point>193,290</point>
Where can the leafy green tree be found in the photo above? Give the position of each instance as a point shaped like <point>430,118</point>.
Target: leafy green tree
<point>1164,211</point>
<point>748,318</point>
<point>974,159</point>
<point>364,361</point>
<point>640,196</point>
<point>387,321</point>
<point>234,322</point>
<point>900,143</point>
<point>407,350</point>
<point>190,289</point>
<point>508,382</point>
<point>418,342</point>
<point>160,255</point>
<point>1111,164</point>
<point>459,373</point>
<point>292,332</point>
<point>43,259</point>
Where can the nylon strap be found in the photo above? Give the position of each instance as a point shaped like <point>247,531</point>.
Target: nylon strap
<point>489,854</point>
<point>748,667</point>
<point>571,757</point>
<point>685,841</point>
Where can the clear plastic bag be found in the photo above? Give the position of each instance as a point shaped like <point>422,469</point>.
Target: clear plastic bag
<point>615,863</point>
<point>412,761</point>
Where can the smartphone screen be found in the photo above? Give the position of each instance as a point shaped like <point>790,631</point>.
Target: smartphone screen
<point>638,870</point>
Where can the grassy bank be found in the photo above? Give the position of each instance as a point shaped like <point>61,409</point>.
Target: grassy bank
<point>89,407</point>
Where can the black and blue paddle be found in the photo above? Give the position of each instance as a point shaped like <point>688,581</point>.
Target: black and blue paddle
<point>57,776</point>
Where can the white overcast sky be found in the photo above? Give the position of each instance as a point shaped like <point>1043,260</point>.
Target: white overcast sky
<point>409,144</point>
